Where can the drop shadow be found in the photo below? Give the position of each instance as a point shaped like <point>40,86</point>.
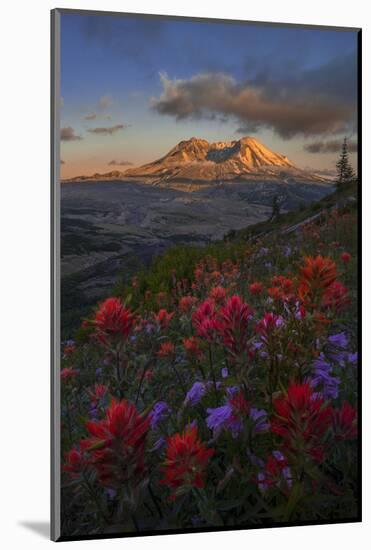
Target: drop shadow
<point>42,528</point>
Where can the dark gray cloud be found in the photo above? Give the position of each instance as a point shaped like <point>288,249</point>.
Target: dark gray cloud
<point>108,130</point>
<point>120,163</point>
<point>68,134</point>
<point>288,108</point>
<point>90,117</point>
<point>331,146</point>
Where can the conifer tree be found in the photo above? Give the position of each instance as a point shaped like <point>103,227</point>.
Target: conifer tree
<point>345,173</point>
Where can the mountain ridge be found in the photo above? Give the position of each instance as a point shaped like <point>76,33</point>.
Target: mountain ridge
<point>197,161</point>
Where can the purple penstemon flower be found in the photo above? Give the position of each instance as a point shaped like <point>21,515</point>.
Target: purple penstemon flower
<point>260,419</point>
<point>353,358</point>
<point>160,411</point>
<point>231,391</point>
<point>339,357</point>
<point>220,418</point>
<point>195,394</point>
<point>286,471</point>
<point>323,377</point>
<point>161,441</point>
<point>339,340</point>
<point>224,372</point>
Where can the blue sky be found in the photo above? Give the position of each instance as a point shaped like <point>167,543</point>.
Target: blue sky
<point>133,87</point>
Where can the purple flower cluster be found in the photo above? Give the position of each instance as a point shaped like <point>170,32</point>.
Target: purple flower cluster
<point>160,411</point>
<point>224,418</point>
<point>195,394</point>
<point>323,377</point>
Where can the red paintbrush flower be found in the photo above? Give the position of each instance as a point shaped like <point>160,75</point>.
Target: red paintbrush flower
<point>205,321</point>
<point>167,349</point>
<point>68,373</point>
<point>186,462</point>
<point>316,276</point>
<point>240,406</point>
<point>163,318</point>
<point>346,257</point>
<point>234,327</point>
<point>117,444</point>
<point>276,473</point>
<point>302,420</point>
<point>97,393</point>
<point>335,296</point>
<point>76,460</point>
<point>186,303</point>
<point>113,320</point>
<point>345,422</point>
<point>267,326</point>
<point>218,294</point>
<point>256,288</point>
<point>192,346</point>
<point>282,289</point>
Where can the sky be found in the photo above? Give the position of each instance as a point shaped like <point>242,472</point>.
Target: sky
<point>132,88</point>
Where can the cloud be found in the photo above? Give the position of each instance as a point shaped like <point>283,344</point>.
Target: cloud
<point>332,146</point>
<point>108,130</point>
<point>257,104</point>
<point>105,101</point>
<point>90,117</point>
<point>120,163</point>
<point>68,134</point>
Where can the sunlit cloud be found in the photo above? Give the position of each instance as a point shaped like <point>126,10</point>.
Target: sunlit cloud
<point>120,163</point>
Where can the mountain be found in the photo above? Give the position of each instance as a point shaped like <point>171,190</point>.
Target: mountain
<point>196,161</point>
<point>112,175</point>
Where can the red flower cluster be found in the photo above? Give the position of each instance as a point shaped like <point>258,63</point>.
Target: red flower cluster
<point>113,320</point>
<point>268,325</point>
<point>97,393</point>
<point>256,288</point>
<point>167,349</point>
<point>276,473</point>
<point>240,406</point>
<point>192,346</point>
<point>117,444</point>
<point>346,257</point>
<point>68,373</point>
<point>205,320</point>
<point>282,289</point>
<point>345,422</point>
<point>76,460</point>
<point>318,286</point>
<point>163,318</point>
<point>186,303</point>
<point>234,325</point>
<point>335,296</point>
<point>186,461</point>
<point>302,420</point>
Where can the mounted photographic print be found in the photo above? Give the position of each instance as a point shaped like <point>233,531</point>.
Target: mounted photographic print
<point>205,288</point>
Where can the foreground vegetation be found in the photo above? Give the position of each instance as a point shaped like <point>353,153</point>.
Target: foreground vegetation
<point>219,388</point>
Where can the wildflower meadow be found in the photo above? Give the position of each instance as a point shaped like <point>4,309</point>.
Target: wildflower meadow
<point>218,389</point>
